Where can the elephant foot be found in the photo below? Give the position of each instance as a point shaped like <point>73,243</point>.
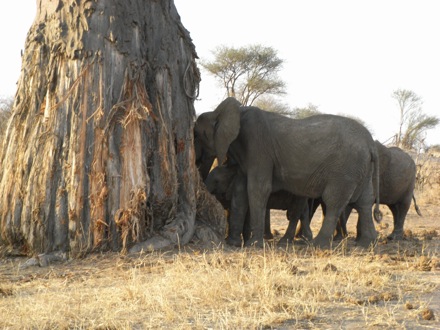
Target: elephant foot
<point>366,242</point>
<point>284,241</point>
<point>396,236</point>
<point>322,242</point>
<point>268,236</point>
<point>306,238</point>
<point>303,242</point>
<point>234,241</point>
<point>338,237</point>
<point>254,242</point>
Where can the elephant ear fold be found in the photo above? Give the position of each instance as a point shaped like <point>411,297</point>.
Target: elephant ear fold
<point>227,126</point>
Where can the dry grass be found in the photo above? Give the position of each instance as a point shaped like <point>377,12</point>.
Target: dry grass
<point>428,179</point>
<point>224,289</point>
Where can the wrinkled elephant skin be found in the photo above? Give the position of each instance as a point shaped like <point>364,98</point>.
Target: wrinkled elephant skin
<point>221,182</point>
<point>326,156</point>
<point>396,189</point>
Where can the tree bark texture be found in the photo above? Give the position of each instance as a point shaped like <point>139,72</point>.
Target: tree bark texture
<point>99,150</point>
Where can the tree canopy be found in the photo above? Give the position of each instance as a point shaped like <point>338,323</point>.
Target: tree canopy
<point>269,103</point>
<point>247,72</point>
<point>413,123</point>
<point>310,110</point>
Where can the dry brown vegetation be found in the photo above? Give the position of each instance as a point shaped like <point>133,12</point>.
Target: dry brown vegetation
<point>428,178</point>
<point>394,285</point>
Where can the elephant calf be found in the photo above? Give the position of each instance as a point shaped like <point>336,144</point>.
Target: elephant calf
<point>221,182</point>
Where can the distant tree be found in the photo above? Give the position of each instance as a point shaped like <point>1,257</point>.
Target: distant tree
<point>5,114</point>
<point>413,123</point>
<point>247,72</point>
<point>271,104</point>
<point>305,112</point>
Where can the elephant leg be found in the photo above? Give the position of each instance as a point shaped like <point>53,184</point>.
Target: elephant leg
<point>335,198</point>
<point>306,218</point>
<point>306,231</point>
<point>267,232</point>
<point>238,211</point>
<point>258,189</point>
<point>399,211</point>
<point>298,209</point>
<point>325,235</point>
<point>339,233</point>
<point>304,212</point>
<point>366,231</point>
<point>247,233</point>
<point>289,235</point>
<point>247,228</point>
<point>341,227</point>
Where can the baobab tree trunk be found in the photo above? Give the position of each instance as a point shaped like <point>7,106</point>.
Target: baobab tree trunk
<point>99,150</point>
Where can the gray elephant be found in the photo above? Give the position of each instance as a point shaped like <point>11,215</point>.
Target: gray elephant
<point>396,189</point>
<point>221,182</point>
<point>325,156</point>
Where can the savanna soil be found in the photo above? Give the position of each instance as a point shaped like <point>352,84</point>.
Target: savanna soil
<point>392,286</point>
<point>418,254</point>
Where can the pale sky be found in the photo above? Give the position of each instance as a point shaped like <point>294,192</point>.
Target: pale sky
<point>344,56</point>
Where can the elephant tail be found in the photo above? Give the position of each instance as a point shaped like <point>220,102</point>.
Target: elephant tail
<point>416,206</point>
<point>376,174</point>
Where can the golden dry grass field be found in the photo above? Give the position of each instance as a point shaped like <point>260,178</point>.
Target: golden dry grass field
<point>395,285</point>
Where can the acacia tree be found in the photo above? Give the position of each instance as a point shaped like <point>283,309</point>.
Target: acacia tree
<point>269,103</point>
<point>99,150</point>
<point>413,123</point>
<point>247,72</point>
<point>310,110</point>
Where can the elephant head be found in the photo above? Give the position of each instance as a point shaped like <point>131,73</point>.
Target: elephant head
<point>217,129</point>
<point>220,180</point>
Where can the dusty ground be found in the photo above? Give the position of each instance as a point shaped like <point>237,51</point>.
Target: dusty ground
<point>422,240</point>
<point>418,255</point>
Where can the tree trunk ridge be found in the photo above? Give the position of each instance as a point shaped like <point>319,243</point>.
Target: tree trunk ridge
<point>99,150</point>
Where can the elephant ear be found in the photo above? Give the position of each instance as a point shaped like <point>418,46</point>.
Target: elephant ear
<point>227,126</point>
